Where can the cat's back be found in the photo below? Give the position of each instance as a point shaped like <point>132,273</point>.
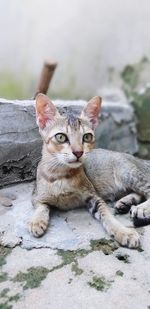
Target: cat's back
<point>108,169</point>
<point>100,160</point>
<point>102,168</point>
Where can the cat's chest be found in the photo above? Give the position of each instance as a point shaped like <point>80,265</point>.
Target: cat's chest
<point>64,194</point>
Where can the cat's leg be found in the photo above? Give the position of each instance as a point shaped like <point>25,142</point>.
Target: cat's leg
<point>125,236</point>
<point>123,205</point>
<point>40,219</point>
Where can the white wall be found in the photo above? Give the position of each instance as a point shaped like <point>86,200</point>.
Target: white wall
<point>86,37</point>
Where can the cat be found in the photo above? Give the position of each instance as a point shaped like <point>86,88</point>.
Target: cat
<point>71,174</point>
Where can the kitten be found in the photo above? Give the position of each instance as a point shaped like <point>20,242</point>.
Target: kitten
<point>71,174</point>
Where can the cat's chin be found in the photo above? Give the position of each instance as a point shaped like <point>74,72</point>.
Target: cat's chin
<point>75,164</point>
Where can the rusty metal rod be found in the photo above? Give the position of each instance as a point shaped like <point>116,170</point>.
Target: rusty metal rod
<point>46,77</point>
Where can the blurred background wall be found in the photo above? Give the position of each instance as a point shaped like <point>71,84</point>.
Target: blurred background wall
<point>93,41</point>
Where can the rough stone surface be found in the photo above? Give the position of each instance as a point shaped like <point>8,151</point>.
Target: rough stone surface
<point>84,277</point>
<point>20,142</point>
<point>65,230</point>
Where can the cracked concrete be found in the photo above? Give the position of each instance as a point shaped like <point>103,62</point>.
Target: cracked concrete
<point>89,272</point>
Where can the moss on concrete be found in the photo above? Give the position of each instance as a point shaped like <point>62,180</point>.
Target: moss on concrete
<point>3,277</point>
<point>8,299</point>
<point>4,292</point>
<point>14,298</point>
<point>32,278</point>
<point>4,251</point>
<point>119,273</point>
<point>107,246</point>
<point>5,306</point>
<point>68,256</point>
<point>75,269</point>
<point>100,283</point>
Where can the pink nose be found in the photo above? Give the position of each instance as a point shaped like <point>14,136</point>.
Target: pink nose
<point>78,154</point>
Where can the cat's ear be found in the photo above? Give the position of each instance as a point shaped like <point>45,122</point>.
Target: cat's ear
<point>92,110</point>
<point>45,111</point>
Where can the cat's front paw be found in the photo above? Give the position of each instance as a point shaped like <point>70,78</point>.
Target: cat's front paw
<point>141,211</point>
<point>122,207</point>
<point>128,238</point>
<point>38,226</point>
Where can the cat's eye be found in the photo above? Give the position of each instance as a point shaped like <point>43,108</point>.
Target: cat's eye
<point>61,138</point>
<point>88,138</point>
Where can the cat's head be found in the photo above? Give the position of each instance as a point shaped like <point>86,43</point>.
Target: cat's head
<point>68,138</point>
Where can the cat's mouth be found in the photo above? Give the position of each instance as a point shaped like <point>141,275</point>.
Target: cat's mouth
<point>75,162</point>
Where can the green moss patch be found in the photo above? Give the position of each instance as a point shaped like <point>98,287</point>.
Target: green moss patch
<point>14,298</point>
<point>4,251</point>
<point>3,277</point>
<point>32,278</point>
<point>4,292</point>
<point>69,256</point>
<point>100,283</point>
<point>107,246</point>
<point>5,306</point>
<point>119,273</point>
<point>75,268</point>
<point>8,299</point>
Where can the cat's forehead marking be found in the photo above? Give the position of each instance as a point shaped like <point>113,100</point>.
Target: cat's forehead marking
<point>73,121</point>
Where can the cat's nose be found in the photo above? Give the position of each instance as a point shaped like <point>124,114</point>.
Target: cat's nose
<point>78,154</point>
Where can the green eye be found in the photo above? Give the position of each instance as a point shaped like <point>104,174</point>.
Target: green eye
<point>61,138</point>
<point>88,138</point>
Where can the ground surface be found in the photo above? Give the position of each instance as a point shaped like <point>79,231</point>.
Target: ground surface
<point>94,273</point>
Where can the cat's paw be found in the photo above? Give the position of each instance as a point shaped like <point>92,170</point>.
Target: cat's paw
<point>140,215</point>
<point>122,207</point>
<point>141,211</point>
<point>38,226</point>
<point>128,238</point>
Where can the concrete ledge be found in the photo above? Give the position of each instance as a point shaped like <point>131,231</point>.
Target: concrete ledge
<point>20,142</point>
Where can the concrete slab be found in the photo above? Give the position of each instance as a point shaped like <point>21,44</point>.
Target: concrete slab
<point>65,230</point>
<point>80,269</point>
